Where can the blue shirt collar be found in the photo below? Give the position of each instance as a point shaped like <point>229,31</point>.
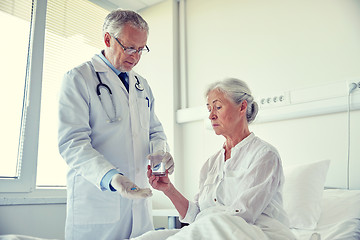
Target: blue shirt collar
<point>101,55</point>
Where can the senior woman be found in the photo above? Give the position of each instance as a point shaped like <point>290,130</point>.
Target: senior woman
<point>240,185</point>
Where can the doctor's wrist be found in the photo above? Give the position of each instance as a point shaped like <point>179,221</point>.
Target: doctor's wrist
<point>106,181</point>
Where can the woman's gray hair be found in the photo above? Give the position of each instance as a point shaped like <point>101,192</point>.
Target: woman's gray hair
<point>237,91</point>
<point>117,19</point>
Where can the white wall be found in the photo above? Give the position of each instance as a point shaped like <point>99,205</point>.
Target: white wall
<point>274,46</point>
<point>45,220</point>
<point>158,67</point>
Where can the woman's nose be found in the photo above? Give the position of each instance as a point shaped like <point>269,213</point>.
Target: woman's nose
<point>212,115</point>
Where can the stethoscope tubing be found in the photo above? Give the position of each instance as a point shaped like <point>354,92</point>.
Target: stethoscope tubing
<point>103,85</point>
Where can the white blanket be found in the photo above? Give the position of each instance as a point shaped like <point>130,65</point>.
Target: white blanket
<point>20,237</point>
<point>222,226</point>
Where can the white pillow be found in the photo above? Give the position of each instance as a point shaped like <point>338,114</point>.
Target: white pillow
<point>302,193</point>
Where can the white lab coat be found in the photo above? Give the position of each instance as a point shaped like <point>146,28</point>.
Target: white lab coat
<point>92,146</point>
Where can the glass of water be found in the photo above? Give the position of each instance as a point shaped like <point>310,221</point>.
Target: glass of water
<point>157,166</point>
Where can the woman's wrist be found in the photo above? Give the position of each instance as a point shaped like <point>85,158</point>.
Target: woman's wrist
<point>170,190</point>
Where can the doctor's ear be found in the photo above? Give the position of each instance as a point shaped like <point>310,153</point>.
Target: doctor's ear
<point>107,38</point>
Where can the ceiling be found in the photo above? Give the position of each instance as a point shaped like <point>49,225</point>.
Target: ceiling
<point>134,5</point>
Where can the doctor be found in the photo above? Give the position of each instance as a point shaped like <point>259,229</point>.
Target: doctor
<point>106,125</point>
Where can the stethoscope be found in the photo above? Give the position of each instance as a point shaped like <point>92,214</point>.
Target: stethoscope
<point>138,85</point>
<point>101,85</point>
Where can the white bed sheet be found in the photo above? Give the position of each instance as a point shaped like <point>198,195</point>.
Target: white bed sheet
<point>347,230</point>
<point>340,216</point>
<point>222,226</point>
<point>339,219</point>
<point>21,237</point>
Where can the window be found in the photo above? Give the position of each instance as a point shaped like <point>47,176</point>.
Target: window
<point>73,35</point>
<point>66,33</point>
<point>13,69</point>
<point>18,17</point>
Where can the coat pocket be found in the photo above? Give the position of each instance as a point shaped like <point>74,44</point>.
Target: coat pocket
<point>93,206</point>
<point>144,112</point>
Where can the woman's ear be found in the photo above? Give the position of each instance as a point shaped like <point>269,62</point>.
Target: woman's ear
<point>243,106</point>
<point>107,38</point>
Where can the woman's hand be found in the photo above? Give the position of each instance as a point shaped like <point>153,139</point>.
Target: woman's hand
<point>157,182</point>
<point>164,184</point>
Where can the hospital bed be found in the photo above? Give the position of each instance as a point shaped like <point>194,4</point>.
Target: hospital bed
<point>339,217</point>
<point>315,212</point>
<point>318,211</point>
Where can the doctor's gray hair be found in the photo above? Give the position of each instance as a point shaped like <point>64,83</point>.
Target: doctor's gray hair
<point>117,19</point>
<point>237,91</point>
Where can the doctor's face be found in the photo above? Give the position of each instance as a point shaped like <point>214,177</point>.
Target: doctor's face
<point>130,37</point>
<point>223,113</point>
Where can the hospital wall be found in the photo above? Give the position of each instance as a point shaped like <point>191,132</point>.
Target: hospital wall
<point>38,220</point>
<point>274,46</point>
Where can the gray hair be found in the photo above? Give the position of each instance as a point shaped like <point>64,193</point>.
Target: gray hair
<point>117,19</point>
<point>237,91</point>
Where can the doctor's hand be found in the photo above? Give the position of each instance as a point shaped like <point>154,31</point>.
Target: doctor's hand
<point>128,189</point>
<point>165,157</point>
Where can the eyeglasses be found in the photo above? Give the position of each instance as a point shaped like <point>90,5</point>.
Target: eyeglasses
<point>129,50</point>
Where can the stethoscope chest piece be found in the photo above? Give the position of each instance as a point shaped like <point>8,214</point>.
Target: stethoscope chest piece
<point>138,85</point>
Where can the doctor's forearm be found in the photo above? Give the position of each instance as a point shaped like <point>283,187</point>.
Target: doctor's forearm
<point>180,202</point>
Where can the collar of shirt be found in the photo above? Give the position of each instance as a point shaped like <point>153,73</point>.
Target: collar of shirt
<point>238,146</point>
<point>117,72</point>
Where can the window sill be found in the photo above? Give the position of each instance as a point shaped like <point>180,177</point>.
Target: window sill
<point>41,196</point>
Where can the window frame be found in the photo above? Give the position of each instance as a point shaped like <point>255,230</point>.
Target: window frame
<point>26,181</point>
<point>23,190</point>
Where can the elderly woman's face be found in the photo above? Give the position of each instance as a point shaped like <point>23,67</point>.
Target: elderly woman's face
<point>224,114</point>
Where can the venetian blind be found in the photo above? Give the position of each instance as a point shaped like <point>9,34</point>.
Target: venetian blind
<point>73,35</point>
